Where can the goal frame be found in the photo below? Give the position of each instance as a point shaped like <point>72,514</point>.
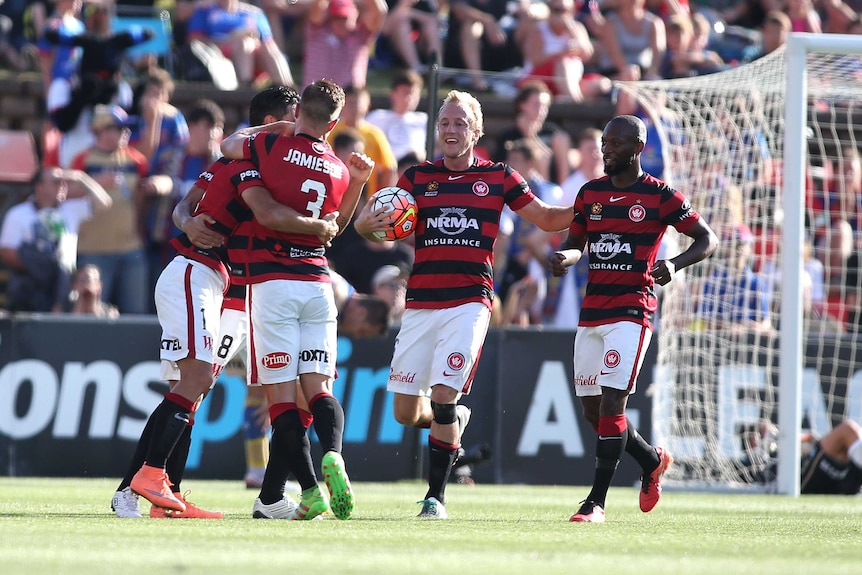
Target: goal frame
<point>799,45</point>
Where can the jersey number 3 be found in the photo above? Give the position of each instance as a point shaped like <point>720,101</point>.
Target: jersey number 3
<point>317,205</point>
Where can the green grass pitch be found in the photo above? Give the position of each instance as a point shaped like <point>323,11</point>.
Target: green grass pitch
<point>65,526</point>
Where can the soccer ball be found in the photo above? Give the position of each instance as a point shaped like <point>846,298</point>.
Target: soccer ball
<point>402,204</point>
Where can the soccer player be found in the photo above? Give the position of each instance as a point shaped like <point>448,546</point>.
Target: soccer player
<point>834,465</point>
<point>623,217</point>
<point>189,301</point>
<point>450,289</point>
<point>291,305</point>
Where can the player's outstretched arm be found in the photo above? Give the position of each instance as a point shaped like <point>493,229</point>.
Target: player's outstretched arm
<point>281,218</point>
<point>705,243</point>
<point>233,147</point>
<point>360,167</point>
<point>547,218</point>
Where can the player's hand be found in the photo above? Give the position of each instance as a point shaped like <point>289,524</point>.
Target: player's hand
<point>662,272</point>
<point>369,221</point>
<point>557,264</point>
<point>200,234</point>
<point>360,166</point>
<point>328,229</point>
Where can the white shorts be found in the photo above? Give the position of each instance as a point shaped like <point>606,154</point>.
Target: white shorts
<point>294,330</point>
<point>609,356</point>
<point>188,300</point>
<point>438,346</point>
<point>230,353</point>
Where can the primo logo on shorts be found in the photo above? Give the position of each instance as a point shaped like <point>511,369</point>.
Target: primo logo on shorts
<point>276,360</point>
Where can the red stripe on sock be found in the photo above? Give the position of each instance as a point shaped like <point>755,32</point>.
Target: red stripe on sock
<point>278,408</point>
<point>306,418</point>
<point>612,424</point>
<point>443,444</point>
<point>178,399</point>
<point>316,397</point>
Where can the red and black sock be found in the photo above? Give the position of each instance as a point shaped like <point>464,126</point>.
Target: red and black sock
<point>442,457</point>
<point>636,446</point>
<point>172,418</point>
<point>610,445</point>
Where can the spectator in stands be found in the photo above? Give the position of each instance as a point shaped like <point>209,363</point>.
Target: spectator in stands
<point>359,315</point>
<point>838,17</point>
<point>734,297</point>
<point>16,51</point>
<point>353,116</point>
<point>338,40</point>
<point>86,295</point>
<point>39,237</point>
<point>484,35</point>
<point>555,50</point>
<point>62,61</point>
<point>684,58</point>
<point>98,79</point>
<point>412,28</point>
<point>111,240</point>
<point>803,16</point>
<point>749,13</point>
<point>524,259</point>
<point>243,34</point>
<point>390,284</point>
<point>773,35</point>
<point>162,137</point>
<point>531,112</point>
<point>634,42</point>
<point>405,127</point>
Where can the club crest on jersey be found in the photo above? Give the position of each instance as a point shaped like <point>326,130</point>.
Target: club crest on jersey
<point>456,361</point>
<point>481,189</point>
<point>431,188</point>
<point>612,358</point>
<point>318,147</point>
<point>637,213</point>
<point>596,212</point>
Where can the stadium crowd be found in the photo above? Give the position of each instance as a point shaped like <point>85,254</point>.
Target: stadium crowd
<point>109,115</point>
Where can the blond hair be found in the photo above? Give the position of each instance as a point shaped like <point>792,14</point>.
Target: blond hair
<point>470,103</point>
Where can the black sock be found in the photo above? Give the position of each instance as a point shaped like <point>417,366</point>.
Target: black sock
<point>176,466</point>
<point>608,452</point>
<point>328,422</point>
<point>636,446</point>
<point>140,454</point>
<point>290,451</point>
<point>171,421</point>
<point>852,482</point>
<point>439,468</point>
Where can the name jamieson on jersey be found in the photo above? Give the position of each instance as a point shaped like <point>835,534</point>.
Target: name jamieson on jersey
<point>315,163</point>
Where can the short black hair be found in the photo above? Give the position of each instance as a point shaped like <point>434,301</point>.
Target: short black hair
<point>205,109</point>
<point>346,138</point>
<point>273,101</point>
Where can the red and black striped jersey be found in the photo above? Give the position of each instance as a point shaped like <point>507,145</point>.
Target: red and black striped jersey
<point>624,228</point>
<point>302,173</point>
<point>222,202</point>
<point>458,222</point>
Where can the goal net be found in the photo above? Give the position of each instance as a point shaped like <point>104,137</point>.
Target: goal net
<point>758,344</point>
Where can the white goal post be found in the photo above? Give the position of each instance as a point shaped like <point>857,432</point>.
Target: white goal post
<point>749,355</point>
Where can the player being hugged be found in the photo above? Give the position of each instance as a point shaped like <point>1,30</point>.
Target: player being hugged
<point>459,199</point>
<point>622,216</point>
<point>291,305</point>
